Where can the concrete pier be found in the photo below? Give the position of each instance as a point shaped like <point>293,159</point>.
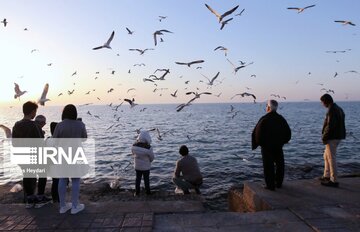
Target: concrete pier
<point>301,205</point>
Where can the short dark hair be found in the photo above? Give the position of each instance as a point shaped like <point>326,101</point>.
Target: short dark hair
<point>69,112</point>
<point>326,99</point>
<point>183,150</point>
<point>29,107</point>
<point>52,127</point>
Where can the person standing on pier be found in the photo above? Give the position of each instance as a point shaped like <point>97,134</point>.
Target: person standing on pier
<point>271,133</point>
<point>332,133</point>
<point>143,156</point>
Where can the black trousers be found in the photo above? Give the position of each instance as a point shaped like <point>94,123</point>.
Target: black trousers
<point>139,175</point>
<point>273,163</point>
<point>54,189</point>
<point>30,186</point>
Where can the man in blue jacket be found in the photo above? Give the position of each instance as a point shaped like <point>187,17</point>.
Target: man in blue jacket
<point>271,133</point>
<point>333,131</point>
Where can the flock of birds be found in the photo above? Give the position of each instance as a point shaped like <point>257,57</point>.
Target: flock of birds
<point>160,74</point>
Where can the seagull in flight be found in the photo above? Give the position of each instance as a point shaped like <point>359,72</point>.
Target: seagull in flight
<point>211,82</point>
<point>162,17</point>
<point>300,9</point>
<point>237,68</point>
<point>159,32</point>
<point>174,94</point>
<point>223,23</point>
<point>197,95</point>
<point>43,98</point>
<point>131,102</point>
<point>222,48</point>
<point>242,11</point>
<point>130,90</point>
<point>190,63</point>
<point>140,51</point>
<point>107,44</point>
<point>4,22</point>
<point>18,92</point>
<point>129,31</point>
<point>221,17</point>
<point>245,94</point>
<point>344,22</point>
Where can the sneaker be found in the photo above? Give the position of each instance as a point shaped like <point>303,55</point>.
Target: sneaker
<point>30,202</point>
<point>78,208</point>
<point>268,188</point>
<point>324,178</point>
<point>44,200</point>
<point>330,183</point>
<point>65,208</point>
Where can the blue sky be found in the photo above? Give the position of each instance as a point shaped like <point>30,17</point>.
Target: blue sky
<point>284,46</point>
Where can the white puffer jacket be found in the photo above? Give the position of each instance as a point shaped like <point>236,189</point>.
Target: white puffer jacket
<point>142,152</point>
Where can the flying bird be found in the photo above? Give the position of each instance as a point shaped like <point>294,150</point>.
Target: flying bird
<point>211,82</point>
<point>140,51</point>
<point>107,44</point>
<point>174,94</point>
<point>129,31</point>
<point>4,22</point>
<point>162,17</point>
<point>222,48</point>
<point>344,22</point>
<point>190,63</point>
<point>43,98</point>
<point>110,90</point>
<point>131,102</point>
<point>242,11</point>
<point>130,90</point>
<point>18,92</point>
<point>221,17</point>
<point>245,94</point>
<point>237,68</point>
<point>300,9</point>
<point>223,23</point>
<point>159,32</point>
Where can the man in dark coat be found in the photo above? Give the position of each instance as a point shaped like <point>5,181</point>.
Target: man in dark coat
<point>333,131</point>
<point>271,133</point>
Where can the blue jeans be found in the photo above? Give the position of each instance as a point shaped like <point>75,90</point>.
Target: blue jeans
<point>75,191</point>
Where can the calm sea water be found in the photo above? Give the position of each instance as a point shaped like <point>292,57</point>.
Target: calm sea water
<point>220,140</point>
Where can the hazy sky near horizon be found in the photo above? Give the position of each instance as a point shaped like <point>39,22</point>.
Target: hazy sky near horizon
<point>288,50</point>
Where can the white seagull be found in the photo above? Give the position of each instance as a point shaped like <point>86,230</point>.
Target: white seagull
<point>129,31</point>
<point>4,22</point>
<point>43,98</point>
<point>344,22</point>
<point>222,48</point>
<point>159,32</point>
<point>18,92</point>
<point>190,63</point>
<point>299,9</point>
<point>211,82</point>
<point>107,44</point>
<point>131,102</point>
<point>223,23</point>
<point>220,17</point>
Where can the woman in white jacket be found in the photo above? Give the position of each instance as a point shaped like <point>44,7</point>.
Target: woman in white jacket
<point>143,156</point>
